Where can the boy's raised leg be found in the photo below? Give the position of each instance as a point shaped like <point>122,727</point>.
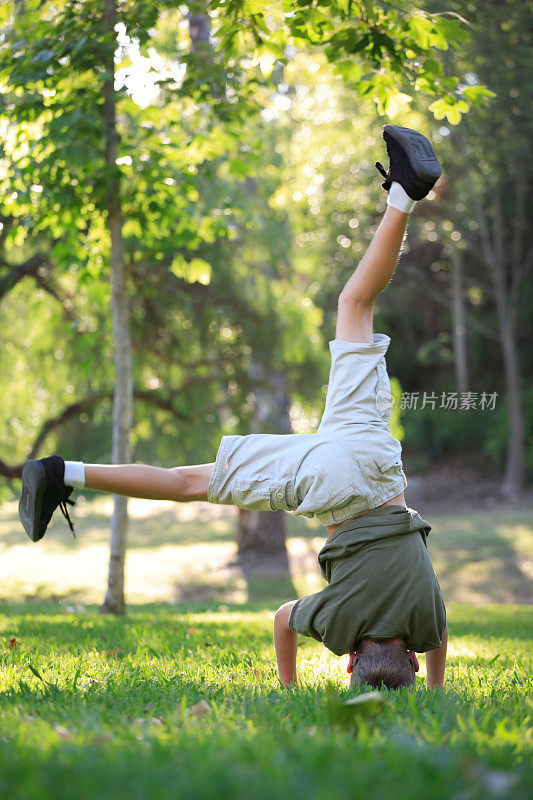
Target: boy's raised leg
<point>413,171</point>
<point>373,274</point>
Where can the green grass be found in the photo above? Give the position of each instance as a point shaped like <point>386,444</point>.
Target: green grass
<point>97,707</point>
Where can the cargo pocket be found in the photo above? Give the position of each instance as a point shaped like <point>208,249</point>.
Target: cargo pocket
<point>390,463</point>
<point>391,479</point>
<point>251,495</point>
<point>325,494</point>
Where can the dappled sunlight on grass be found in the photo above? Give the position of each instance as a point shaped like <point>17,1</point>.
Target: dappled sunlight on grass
<point>196,692</point>
<point>187,552</point>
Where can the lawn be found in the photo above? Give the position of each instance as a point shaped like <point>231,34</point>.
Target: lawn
<point>181,699</point>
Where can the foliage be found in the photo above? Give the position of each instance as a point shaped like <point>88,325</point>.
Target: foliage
<point>382,50</point>
<point>179,166</point>
<point>115,706</point>
<point>269,211</point>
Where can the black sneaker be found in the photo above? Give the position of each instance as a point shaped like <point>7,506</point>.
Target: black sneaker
<point>412,161</point>
<point>43,490</point>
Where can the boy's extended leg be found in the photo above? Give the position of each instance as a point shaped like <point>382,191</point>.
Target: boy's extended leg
<point>47,483</point>
<point>152,483</point>
<point>356,301</point>
<point>413,171</point>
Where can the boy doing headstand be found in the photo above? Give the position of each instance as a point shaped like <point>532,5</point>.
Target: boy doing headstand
<point>382,601</point>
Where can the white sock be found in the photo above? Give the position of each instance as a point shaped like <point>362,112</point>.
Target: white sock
<point>74,474</point>
<point>399,199</point>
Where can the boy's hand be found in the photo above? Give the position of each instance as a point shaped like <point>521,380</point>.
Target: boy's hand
<point>436,663</point>
<point>286,644</point>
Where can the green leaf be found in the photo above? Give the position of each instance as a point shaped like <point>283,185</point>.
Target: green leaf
<point>439,108</point>
<point>350,70</point>
<point>446,107</point>
<point>195,271</point>
<point>420,29</point>
<point>396,102</point>
<point>267,55</point>
<point>478,94</point>
<point>266,63</point>
<point>453,30</point>
<point>453,115</point>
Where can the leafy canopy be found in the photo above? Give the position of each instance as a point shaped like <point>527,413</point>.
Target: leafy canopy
<point>385,51</point>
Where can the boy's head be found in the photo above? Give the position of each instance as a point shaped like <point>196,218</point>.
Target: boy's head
<point>384,663</point>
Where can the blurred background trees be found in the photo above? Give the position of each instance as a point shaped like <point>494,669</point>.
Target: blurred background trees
<point>246,191</point>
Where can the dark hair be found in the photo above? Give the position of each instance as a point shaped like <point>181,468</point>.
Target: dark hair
<point>384,663</point>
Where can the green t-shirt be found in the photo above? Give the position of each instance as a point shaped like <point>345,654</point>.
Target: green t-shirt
<point>381,585</point>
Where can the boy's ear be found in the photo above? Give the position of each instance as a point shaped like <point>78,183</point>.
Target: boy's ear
<point>414,660</point>
<point>352,661</point>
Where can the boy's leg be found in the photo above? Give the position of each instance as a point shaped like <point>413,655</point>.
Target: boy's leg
<point>356,301</point>
<point>413,171</point>
<point>181,484</point>
<point>48,483</point>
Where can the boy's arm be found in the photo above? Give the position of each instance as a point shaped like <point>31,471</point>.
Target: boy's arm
<point>436,663</point>
<point>286,644</point>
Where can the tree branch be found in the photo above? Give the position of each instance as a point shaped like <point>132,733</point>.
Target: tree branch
<point>11,471</point>
<point>422,287</point>
<point>17,273</point>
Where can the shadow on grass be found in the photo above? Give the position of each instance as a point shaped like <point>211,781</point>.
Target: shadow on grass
<point>484,556</point>
<point>52,621</point>
<point>480,557</point>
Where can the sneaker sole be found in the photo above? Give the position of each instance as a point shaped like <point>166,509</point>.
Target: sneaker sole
<point>30,504</point>
<point>418,150</point>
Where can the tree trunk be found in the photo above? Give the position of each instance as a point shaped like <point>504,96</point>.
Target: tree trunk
<point>123,395</point>
<point>264,532</point>
<point>199,29</point>
<point>506,313</point>
<point>513,478</point>
<point>459,323</point>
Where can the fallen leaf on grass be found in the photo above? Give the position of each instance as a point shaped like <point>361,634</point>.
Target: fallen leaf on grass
<point>367,703</point>
<point>77,608</point>
<point>64,733</point>
<point>152,721</point>
<point>13,643</point>
<point>100,739</point>
<point>348,712</point>
<point>198,710</point>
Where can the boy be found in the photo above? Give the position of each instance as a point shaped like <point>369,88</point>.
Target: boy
<point>383,600</point>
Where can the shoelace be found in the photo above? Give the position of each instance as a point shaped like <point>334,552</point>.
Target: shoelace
<point>381,169</point>
<point>64,511</point>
